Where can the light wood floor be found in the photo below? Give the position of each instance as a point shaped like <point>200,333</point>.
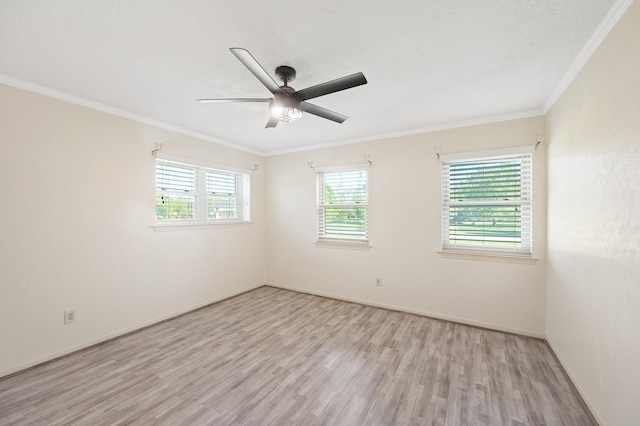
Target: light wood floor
<point>276,357</point>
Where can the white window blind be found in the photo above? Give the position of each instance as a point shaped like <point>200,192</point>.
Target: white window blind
<point>487,204</point>
<point>194,194</point>
<point>175,192</point>
<point>222,196</point>
<point>343,198</point>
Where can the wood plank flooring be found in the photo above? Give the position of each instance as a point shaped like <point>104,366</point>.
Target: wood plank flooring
<point>276,357</point>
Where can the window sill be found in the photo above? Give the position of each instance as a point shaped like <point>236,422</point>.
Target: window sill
<point>347,245</point>
<point>488,256</point>
<point>164,227</point>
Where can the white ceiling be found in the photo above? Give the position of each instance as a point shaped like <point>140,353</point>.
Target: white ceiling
<point>429,63</point>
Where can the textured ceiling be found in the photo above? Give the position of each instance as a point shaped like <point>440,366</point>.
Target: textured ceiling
<point>428,63</point>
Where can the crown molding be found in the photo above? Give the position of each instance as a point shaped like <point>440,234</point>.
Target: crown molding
<point>66,97</point>
<point>435,128</point>
<point>606,25</point>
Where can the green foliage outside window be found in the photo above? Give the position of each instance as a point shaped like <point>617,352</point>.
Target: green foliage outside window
<point>342,216</point>
<point>175,207</point>
<point>484,208</point>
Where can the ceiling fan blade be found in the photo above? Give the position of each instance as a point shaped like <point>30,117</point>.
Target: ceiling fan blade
<point>206,101</point>
<point>322,112</point>
<point>332,86</point>
<point>273,122</point>
<point>256,69</point>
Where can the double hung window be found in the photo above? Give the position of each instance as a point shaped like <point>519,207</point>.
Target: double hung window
<point>343,199</point>
<point>189,193</point>
<point>487,201</point>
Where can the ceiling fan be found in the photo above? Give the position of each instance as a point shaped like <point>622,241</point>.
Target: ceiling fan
<point>287,104</point>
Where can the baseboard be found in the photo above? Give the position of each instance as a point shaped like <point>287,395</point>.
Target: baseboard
<point>464,321</point>
<point>574,382</point>
<point>527,333</point>
<point>110,336</point>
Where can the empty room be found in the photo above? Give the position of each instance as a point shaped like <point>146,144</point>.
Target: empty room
<point>337,213</point>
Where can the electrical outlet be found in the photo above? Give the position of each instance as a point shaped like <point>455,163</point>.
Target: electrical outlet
<point>378,282</point>
<point>69,316</point>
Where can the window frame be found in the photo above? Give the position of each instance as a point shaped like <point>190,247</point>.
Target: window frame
<point>523,154</point>
<point>322,240</point>
<point>201,218</point>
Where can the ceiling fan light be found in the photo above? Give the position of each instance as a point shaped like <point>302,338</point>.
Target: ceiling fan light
<point>285,113</point>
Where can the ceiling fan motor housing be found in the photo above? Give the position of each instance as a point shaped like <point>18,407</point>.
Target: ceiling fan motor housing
<point>286,73</point>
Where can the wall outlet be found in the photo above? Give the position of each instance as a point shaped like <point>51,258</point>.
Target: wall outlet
<point>378,282</point>
<point>69,316</point>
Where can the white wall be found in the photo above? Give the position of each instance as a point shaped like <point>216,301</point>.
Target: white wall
<point>593,271</point>
<point>77,191</point>
<point>77,203</point>
<point>405,232</point>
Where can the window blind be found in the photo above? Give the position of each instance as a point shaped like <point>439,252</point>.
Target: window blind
<point>175,192</point>
<point>222,202</point>
<point>219,183</point>
<point>193,193</point>
<point>487,204</point>
<point>342,205</point>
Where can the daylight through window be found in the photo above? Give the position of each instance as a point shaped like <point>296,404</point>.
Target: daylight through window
<point>342,206</point>
<point>487,204</point>
<point>187,193</point>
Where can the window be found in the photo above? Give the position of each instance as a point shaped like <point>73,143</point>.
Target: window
<point>175,192</point>
<point>198,194</point>
<point>342,205</point>
<point>487,201</point>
